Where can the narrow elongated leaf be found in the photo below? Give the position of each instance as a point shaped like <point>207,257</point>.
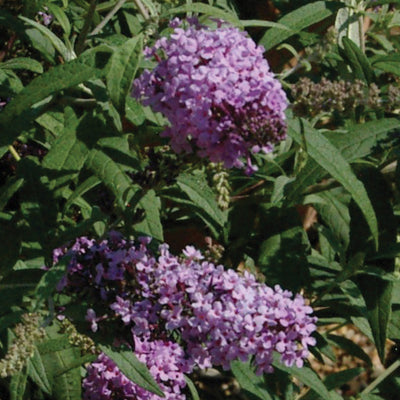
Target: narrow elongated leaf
<point>248,380</point>
<point>328,157</point>
<point>54,80</point>
<point>25,63</point>
<point>298,20</point>
<point>349,347</point>
<point>66,386</point>
<point>204,9</point>
<point>18,385</point>
<point>305,375</point>
<point>50,279</point>
<point>88,358</point>
<point>376,291</point>
<point>60,16</point>
<point>37,372</point>
<point>42,44</point>
<point>83,188</point>
<point>132,368</point>
<point>37,205</point>
<point>361,139</point>
<point>151,225</point>
<point>333,381</point>
<point>57,42</point>
<point>358,61</point>
<point>69,150</point>
<point>192,388</point>
<point>389,63</point>
<point>8,190</point>
<point>198,191</point>
<point>124,64</point>
<point>112,176</point>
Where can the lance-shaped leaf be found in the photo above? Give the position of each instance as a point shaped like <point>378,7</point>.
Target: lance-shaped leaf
<point>132,368</point>
<point>248,380</point>
<point>112,175</point>
<point>151,225</point>
<point>377,292</point>
<point>124,64</point>
<point>298,20</point>
<point>305,375</point>
<point>58,78</point>
<point>328,157</point>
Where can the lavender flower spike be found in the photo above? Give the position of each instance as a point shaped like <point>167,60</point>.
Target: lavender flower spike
<point>218,93</point>
<point>218,314</point>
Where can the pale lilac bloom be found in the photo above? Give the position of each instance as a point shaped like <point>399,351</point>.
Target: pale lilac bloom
<point>219,315</point>
<point>217,92</point>
<point>46,17</point>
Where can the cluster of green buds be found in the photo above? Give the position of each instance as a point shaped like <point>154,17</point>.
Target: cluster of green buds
<point>311,99</point>
<point>214,251</point>
<point>220,184</point>
<point>83,342</point>
<point>27,334</point>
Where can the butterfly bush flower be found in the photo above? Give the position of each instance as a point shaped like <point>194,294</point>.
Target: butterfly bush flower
<point>218,314</point>
<point>46,17</point>
<point>218,93</point>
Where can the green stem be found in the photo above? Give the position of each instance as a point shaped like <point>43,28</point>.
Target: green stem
<point>142,9</point>
<point>107,18</point>
<point>80,43</point>
<point>381,377</point>
<point>14,152</point>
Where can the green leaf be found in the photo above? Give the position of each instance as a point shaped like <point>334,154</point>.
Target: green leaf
<point>151,225</point>
<point>73,364</point>
<point>376,292</point>
<point>356,300</point>
<point>358,61</point>
<point>57,43</point>
<point>9,189</point>
<point>18,385</point>
<point>202,196</point>
<point>389,63</point>
<point>42,44</point>
<point>112,175</point>
<point>333,381</point>
<point>37,203</point>
<point>70,149</point>
<point>25,63</point>
<point>335,214</point>
<point>362,139</point>
<point>328,157</point>
<point>204,9</point>
<point>248,380</point>
<point>83,188</point>
<point>61,17</point>
<point>50,279</point>
<point>192,388</point>
<point>305,375</point>
<point>134,111</point>
<point>37,372</point>
<point>349,347</point>
<point>66,386</point>
<point>124,64</point>
<point>56,79</point>
<point>298,20</point>
<point>282,255</point>
<point>10,243</point>
<point>132,368</point>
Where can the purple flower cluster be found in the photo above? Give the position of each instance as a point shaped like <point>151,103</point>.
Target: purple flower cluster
<point>219,315</point>
<point>165,361</point>
<point>218,93</point>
